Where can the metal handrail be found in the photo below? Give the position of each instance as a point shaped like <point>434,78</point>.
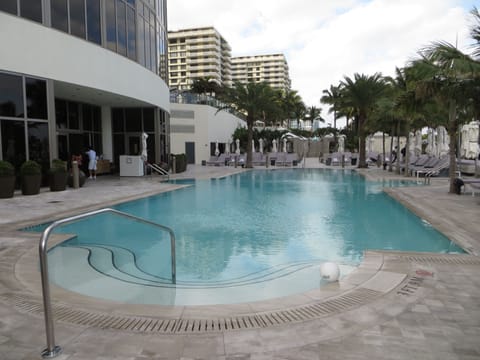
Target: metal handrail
<point>53,350</point>
<point>159,170</point>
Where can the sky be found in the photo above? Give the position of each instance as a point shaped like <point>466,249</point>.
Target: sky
<point>326,40</point>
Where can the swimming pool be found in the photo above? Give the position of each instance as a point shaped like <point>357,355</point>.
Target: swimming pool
<point>253,236</point>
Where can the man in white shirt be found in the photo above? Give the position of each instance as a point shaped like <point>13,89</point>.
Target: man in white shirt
<point>92,163</point>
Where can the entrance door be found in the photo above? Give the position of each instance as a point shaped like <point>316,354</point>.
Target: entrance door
<point>190,152</point>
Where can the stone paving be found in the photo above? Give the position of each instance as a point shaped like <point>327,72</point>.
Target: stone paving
<point>428,306</point>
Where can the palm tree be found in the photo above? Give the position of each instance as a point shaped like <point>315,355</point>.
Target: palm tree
<point>362,94</point>
<point>313,113</point>
<point>253,99</point>
<point>292,105</point>
<point>332,97</point>
<point>450,76</point>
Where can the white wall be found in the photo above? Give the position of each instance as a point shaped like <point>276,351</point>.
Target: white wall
<point>209,126</point>
<point>31,48</point>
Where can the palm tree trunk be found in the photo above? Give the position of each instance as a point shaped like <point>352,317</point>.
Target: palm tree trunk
<point>361,142</point>
<point>407,152</point>
<point>397,170</point>
<point>249,141</point>
<point>383,148</point>
<point>452,131</point>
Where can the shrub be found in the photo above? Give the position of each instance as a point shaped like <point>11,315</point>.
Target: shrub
<point>30,167</point>
<point>6,168</point>
<point>58,166</point>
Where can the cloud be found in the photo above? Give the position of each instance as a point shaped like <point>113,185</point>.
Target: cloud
<point>326,40</point>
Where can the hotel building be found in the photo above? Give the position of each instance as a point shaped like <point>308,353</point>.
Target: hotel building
<point>78,73</point>
<point>272,69</point>
<point>198,53</point>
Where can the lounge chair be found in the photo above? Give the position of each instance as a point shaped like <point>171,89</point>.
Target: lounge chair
<point>281,159</point>
<point>258,159</point>
<point>217,160</point>
<point>473,183</point>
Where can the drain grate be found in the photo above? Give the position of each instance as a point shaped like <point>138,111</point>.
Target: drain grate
<point>440,259</point>
<point>67,314</point>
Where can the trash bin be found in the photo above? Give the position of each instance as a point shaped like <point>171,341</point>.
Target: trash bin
<point>329,161</point>
<point>204,162</point>
<point>354,161</point>
<point>272,162</point>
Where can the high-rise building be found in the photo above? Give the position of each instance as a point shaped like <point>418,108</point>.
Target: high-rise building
<point>272,69</point>
<point>83,73</point>
<point>198,53</point>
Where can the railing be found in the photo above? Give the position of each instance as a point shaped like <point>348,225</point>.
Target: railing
<point>53,350</point>
<point>159,170</point>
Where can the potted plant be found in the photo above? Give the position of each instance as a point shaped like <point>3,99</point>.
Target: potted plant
<point>7,179</point>
<point>58,175</point>
<point>31,177</point>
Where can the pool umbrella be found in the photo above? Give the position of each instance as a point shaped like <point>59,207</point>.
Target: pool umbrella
<point>237,142</point>
<point>144,154</point>
<point>253,146</point>
<point>274,146</point>
<point>418,143</point>
<point>217,152</point>
<point>227,148</point>
<point>285,145</point>
<point>260,146</point>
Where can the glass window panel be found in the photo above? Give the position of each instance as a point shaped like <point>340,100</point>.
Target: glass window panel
<point>9,6</point>
<point>59,15</point>
<point>11,95</point>
<point>141,41</point>
<point>97,118</point>
<point>111,25</point>
<point>121,28</point>
<point>87,117</point>
<point>31,9</point>
<point>131,50</point>
<point>77,18</point>
<point>148,122</point>
<point>133,119</point>
<point>38,143</point>
<point>36,98</point>
<point>93,21</point>
<point>131,2</point>
<point>147,46</point>
<point>73,116</point>
<point>118,148</point>
<point>13,142</point>
<point>117,120</point>
<point>61,114</point>
<point>153,60</point>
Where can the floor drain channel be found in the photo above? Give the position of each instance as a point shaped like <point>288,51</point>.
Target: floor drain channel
<point>66,314</point>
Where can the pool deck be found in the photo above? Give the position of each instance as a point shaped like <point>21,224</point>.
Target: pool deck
<point>396,305</point>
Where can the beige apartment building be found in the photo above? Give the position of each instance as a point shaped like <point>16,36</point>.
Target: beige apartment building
<point>198,53</point>
<point>272,69</point>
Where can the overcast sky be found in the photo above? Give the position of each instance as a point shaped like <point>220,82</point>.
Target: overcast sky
<point>325,40</point>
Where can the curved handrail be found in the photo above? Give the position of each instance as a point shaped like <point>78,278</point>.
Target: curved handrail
<point>53,350</point>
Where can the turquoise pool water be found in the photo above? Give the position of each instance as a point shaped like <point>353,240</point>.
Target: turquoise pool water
<point>253,236</point>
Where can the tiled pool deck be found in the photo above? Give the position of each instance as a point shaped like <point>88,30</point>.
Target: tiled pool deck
<point>395,306</point>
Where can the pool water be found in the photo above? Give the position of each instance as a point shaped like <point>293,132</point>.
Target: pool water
<point>247,237</point>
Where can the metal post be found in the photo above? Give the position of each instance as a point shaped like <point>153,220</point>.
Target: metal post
<point>52,350</point>
<point>75,175</point>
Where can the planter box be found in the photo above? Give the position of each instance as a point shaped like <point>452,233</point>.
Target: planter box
<point>31,184</point>
<point>7,186</point>
<point>58,181</point>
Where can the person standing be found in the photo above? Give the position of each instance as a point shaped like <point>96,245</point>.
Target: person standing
<point>92,163</point>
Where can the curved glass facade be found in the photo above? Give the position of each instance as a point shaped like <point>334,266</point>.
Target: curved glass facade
<point>136,29</point>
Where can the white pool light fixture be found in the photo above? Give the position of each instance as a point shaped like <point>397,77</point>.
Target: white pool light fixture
<point>330,271</point>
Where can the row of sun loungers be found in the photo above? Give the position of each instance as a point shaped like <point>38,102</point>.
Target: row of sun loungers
<point>258,159</point>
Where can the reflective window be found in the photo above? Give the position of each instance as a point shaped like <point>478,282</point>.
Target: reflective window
<point>121,28</point>
<point>59,11</point>
<point>13,142</point>
<point>77,18</point>
<point>61,116</point>
<point>31,9</point>
<point>73,116</point>
<point>131,49</point>
<point>38,148</point>
<point>93,21</point>
<point>111,25</point>
<point>11,95</point>
<point>36,98</point>
<point>133,119</point>
<point>9,6</point>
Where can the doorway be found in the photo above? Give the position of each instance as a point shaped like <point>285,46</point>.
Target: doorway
<point>190,152</point>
